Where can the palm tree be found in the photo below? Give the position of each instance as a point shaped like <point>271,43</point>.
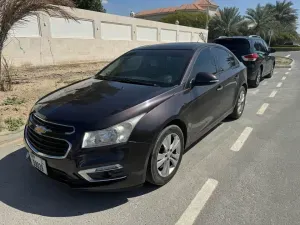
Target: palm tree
<point>13,12</point>
<point>284,12</point>
<point>261,19</point>
<point>227,22</point>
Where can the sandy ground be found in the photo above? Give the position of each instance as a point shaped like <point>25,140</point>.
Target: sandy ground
<point>31,83</point>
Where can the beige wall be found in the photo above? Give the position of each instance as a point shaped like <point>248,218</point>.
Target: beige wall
<point>111,35</point>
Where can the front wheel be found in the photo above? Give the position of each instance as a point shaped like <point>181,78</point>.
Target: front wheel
<point>166,156</point>
<point>240,105</point>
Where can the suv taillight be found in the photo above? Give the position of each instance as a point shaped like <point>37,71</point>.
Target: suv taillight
<point>250,58</point>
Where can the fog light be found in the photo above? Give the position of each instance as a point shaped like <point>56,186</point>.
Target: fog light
<point>108,168</point>
<point>86,174</point>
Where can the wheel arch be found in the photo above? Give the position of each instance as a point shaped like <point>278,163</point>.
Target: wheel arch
<point>182,127</point>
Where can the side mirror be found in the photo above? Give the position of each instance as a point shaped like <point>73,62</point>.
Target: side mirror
<point>272,50</point>
<point>203,79</point>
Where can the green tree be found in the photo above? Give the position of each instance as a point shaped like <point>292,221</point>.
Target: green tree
<point>261,20</point>
<point>197,20</point>
<point>284,12</point>
<point>227,23</point>
<point>94,5</point>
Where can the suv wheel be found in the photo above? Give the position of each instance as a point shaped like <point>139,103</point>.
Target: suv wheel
<point>240,105</point>
<point>166,156</point>
<point>271,72</point>
<point>258,78</point>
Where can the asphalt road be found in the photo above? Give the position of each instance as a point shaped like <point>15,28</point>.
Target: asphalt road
<point>242,172</point>
<point>283,54</point>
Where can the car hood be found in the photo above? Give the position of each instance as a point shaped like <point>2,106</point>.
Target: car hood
<point>92,101</point>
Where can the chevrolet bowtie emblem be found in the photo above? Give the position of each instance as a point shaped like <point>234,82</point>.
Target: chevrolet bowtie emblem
<point>41,130</point>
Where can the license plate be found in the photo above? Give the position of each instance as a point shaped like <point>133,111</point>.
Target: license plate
<point>39,163</point>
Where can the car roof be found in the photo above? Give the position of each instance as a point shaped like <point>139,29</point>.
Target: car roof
<point>176,46</point>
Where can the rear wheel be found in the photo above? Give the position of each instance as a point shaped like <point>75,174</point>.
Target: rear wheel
<point>166,156</point>
<point>255,83</point>
<point>271,72</point>
<point>240,105</point>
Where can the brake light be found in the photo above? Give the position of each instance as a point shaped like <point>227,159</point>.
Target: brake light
<point>251,58</point>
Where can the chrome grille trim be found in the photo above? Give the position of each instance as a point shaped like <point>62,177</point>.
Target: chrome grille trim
<point>46,155</point>
<point>57,124</point>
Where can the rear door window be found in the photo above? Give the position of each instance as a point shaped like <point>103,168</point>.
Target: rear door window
<point>259,46</point>
<point>205,63</point>
<point>238,46</point>
<point>225,60</point>
<point>265,45</point>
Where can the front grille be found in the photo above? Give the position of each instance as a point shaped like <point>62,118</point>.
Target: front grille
<point>47,145</point>
<point>55,128</point>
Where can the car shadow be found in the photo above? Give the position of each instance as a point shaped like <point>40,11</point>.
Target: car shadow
<point>25,189</point>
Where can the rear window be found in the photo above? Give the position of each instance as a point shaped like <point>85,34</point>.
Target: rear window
<point>238,46</point>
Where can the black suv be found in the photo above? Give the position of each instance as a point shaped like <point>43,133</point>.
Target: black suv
<point>254,53</point>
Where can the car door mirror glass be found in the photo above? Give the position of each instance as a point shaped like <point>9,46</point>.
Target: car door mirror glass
<point>203,79</point>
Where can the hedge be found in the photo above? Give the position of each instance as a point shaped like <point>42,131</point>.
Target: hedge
<point>286,46</point>
<point>286,49</point>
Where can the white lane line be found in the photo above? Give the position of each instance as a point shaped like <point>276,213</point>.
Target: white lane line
<point>283,78</point>
<point>194,209</point>
<point>279,84</point>
<point>265,83</point>
<point>262,109</point>
<point>290,69</point>
<point>255,92</point>
<point>287,73</point>
<point>287,56</point>
<point>272,95</point>
<point>241,140</point>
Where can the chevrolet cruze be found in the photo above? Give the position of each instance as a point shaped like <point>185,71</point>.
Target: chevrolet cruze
<point>132,121</point>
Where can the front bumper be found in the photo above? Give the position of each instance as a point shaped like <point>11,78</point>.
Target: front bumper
<point>121,167</point>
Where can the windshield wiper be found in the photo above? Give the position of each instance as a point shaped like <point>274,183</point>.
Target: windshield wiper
<point>127,80</point>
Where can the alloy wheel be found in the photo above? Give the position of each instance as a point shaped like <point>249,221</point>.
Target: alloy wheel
<point>168,155</point>
<point>241,102</point>
<point>258,78</point>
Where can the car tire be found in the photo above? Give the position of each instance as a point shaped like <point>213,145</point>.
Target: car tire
<point>166,151</point>
<point>255,83</point>
<point>271,73</point>
<point>240,104</point>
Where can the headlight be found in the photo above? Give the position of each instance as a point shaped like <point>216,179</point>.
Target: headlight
<point>119,133</point>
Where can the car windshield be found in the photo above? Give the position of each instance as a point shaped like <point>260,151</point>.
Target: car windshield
<point>149,67</point>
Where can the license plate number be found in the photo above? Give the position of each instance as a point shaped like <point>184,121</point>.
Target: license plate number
<point>39,163</point>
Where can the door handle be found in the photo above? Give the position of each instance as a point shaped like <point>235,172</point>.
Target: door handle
<point>220,88</point>
<point>236,77</point>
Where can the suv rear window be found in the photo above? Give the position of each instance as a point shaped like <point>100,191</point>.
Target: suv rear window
<point>239,47</point>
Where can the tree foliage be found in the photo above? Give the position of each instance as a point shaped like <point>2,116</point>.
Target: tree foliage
<point>227,22</point>
<point>197,20</point>
<point>284,12</point>
<point>281,18</point>
<point>94,5</point>
<point>261,19</point>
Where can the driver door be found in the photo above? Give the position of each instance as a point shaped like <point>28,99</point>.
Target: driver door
<point>205,100</point>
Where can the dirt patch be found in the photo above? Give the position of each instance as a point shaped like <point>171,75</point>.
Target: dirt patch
<point>283,61</point>
<point>31,83</point>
